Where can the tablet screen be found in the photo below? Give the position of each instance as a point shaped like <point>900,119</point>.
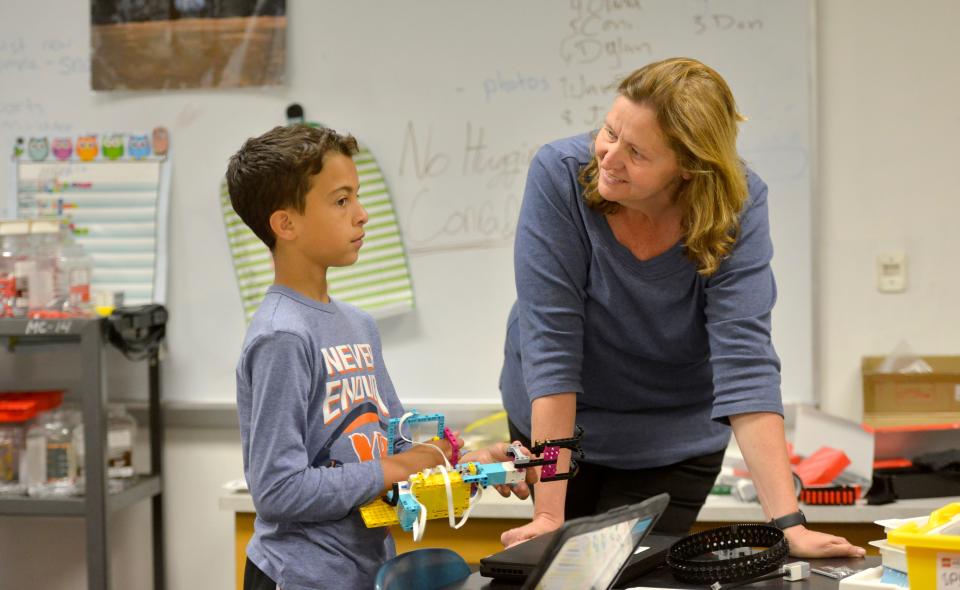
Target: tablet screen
<point>593,559</point>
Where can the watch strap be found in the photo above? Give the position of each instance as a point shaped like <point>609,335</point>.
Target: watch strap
<point>788,520</point>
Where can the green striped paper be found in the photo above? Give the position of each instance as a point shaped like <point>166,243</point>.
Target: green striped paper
<point>379,282</point>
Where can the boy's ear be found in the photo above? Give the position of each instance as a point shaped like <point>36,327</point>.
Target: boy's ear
<point>282,224</point>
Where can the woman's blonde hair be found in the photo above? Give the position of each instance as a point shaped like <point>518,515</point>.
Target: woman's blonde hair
<point>698,117</point>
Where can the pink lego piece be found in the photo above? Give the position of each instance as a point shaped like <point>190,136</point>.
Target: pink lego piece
<point>550,453</point>
<point>447,434</point>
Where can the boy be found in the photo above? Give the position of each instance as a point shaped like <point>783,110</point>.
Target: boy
<point>313,394</point>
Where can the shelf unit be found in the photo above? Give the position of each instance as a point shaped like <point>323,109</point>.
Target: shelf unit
<point>97,504</point>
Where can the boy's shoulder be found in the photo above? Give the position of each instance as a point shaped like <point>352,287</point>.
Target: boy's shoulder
<point>286,311</point>
<point>277,311</point>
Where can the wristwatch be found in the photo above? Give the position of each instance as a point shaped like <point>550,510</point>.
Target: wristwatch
<point>788,520</point>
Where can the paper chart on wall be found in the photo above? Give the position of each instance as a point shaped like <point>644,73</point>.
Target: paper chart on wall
<point>379,282</point>
<point>114,194</point>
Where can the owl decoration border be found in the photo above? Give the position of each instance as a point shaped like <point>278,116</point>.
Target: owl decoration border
<point>91,147</point>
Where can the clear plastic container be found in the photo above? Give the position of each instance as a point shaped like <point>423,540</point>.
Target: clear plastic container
<point>16,268</point>
<point>45,242</point>
<point>74,270</point>
<point>121,432</point>
<point>17,410</point>
<point>12,242</point>
<point>34,465</point>
<point>76,266</point>
<point>52,455</point>
<point>12,447</point>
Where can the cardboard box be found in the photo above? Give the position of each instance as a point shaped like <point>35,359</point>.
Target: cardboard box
<point>910,399</point>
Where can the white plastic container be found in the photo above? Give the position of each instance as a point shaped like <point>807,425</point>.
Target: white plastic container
<point>893,556</point>
<point>868,579</point>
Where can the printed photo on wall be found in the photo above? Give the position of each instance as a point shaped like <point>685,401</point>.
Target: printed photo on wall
<point>171,44</point>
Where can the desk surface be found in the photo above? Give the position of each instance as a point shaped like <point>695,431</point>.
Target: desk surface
<point>718,509</point>
<point>661,578</point>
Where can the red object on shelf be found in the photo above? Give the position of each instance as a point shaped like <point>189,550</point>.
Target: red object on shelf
<point>898,463</point>
<point>794,458</point>
<point>44,400</point>
<point>831,495</point>
<point>17,410</point>
<point>822,466</point>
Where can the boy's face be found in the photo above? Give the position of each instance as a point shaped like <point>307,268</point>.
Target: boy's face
<point>330,230</point>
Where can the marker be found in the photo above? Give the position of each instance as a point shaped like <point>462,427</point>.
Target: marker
<point>295,115</point>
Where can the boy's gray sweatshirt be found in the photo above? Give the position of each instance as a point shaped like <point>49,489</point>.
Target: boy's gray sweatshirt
<point>314,399</point>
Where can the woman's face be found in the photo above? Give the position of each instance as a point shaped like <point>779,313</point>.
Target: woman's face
<point>637,168</point>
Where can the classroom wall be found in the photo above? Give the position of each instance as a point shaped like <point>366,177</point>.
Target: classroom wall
<point>888,125</point>
<point>888,129</point>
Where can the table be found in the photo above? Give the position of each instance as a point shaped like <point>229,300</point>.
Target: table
<point>661,578</point>
<point>494,514</point>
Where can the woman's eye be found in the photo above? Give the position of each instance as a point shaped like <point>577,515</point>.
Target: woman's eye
<point>342,202</point>
<point>610,133</point>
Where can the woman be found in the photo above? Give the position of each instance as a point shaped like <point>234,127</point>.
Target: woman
<point>644,297</point>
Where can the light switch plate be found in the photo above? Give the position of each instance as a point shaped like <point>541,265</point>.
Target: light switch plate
<point>892,272</point>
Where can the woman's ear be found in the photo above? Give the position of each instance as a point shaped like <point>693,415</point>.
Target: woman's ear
<point>685,175</point>
<point>282,225</point>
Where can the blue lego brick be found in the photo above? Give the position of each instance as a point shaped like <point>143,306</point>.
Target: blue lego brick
<point>416,418</point>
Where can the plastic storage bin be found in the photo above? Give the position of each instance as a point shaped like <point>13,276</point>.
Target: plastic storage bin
<point>933,549</point>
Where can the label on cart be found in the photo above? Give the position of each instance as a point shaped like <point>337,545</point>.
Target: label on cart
<point>948,571</point>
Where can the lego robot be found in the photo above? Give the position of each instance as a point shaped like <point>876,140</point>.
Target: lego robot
<point>450,492</point>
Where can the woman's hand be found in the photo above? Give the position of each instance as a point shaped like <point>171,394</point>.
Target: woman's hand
<point>497,453</point>
<point>811,544</point>
<point>541,523</point>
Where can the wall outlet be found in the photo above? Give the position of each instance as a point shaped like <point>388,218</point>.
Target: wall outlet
<point>892,272</point>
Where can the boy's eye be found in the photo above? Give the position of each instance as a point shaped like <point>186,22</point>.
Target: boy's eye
<point>342,202</point>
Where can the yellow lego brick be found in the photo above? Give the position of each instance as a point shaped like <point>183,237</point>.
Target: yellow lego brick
<point>432,493</point>
<point>378,513</point>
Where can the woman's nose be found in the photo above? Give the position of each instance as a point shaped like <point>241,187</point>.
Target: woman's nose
<point>609,157</point>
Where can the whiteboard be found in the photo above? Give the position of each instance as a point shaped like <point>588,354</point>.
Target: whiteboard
<point>452,98</point>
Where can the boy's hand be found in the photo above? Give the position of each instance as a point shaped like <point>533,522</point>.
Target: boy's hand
<point>425,455</point>
<point>442,444</point>
<point>497,453</point>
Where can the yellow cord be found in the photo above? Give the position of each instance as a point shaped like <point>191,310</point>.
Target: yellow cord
<point>486,420</point>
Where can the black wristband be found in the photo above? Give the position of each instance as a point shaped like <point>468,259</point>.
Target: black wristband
<point>788,520</point>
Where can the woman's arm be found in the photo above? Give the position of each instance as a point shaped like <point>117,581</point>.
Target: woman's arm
<point>552,418</point>
<point>740,298</point>
<point>763,444</point>
<point>551,267</point>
